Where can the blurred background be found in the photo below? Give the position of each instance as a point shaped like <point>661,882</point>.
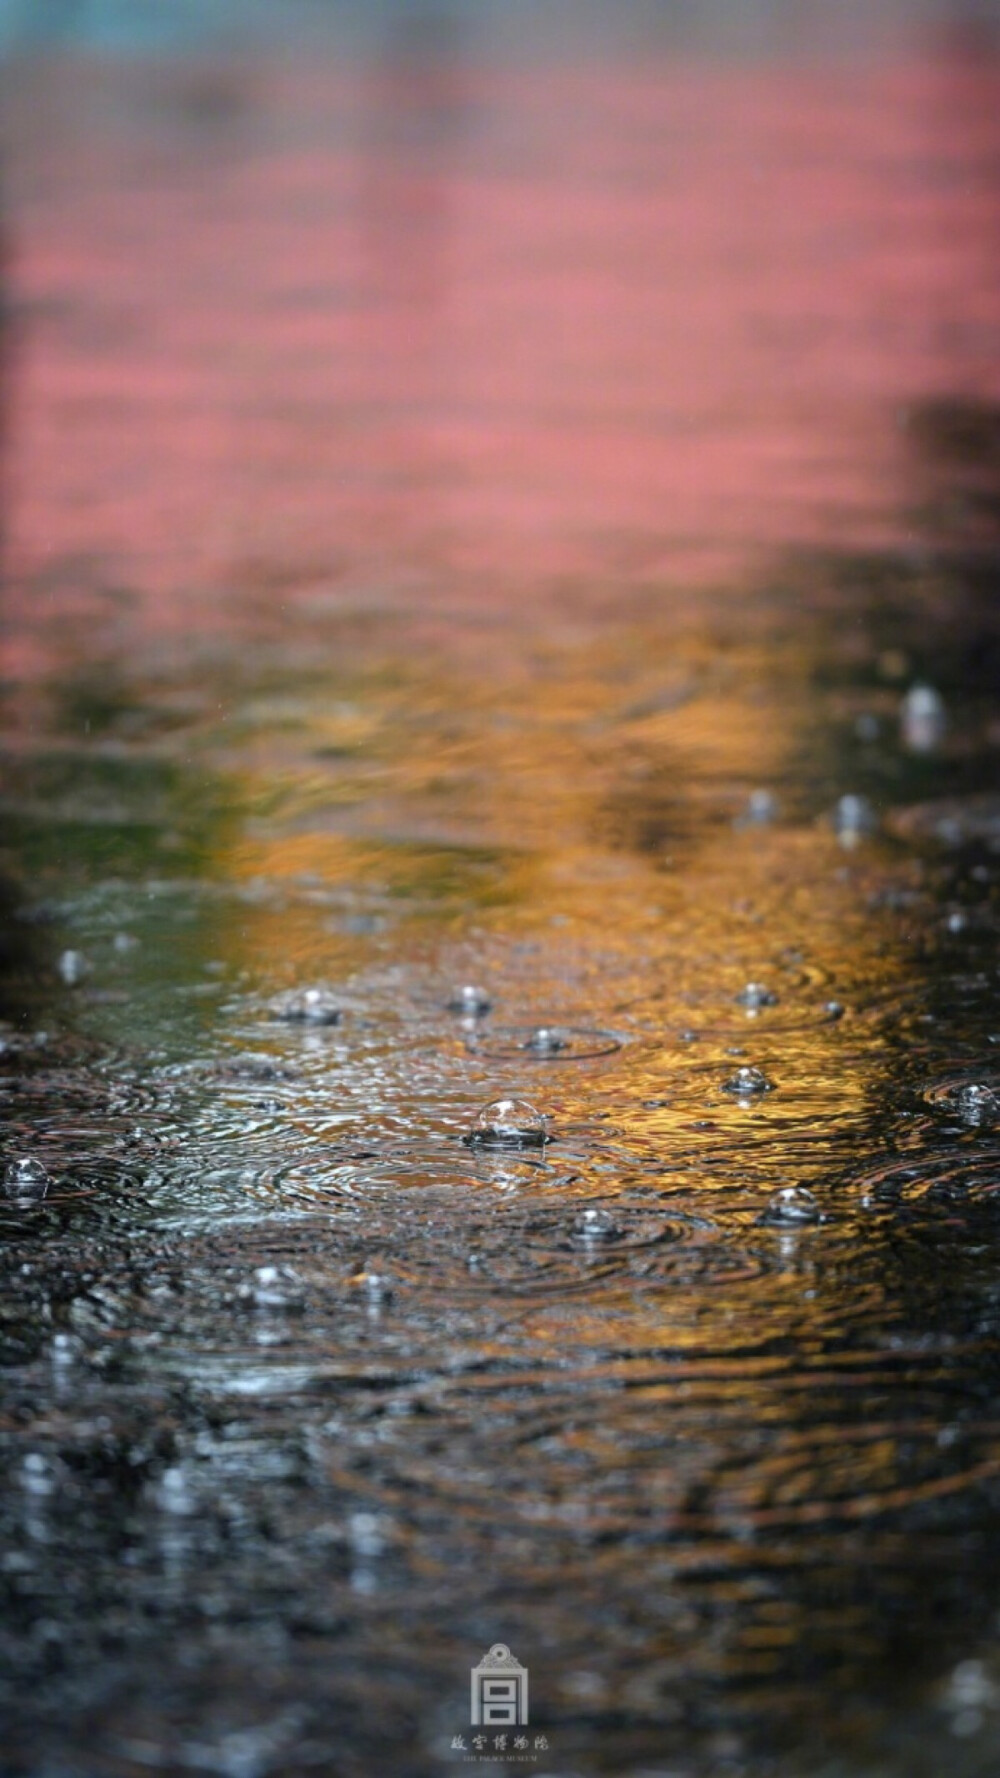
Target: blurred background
<point>448,304</point>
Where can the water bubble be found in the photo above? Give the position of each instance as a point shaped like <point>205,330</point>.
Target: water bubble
<point>39,1475</point>
<point>306,1006</point>
<point>833,1009</point>
<point>25,1180</point>
<point>760,810</point>
<point>276,1287</point>
<point>470,1001</point>
<point>853,818</point>
<point>755,995</point>
<point>509,1123</point>
<point>72,966</point>
<point>971,1687</point>
<point>747,1082</point>
<point>978,1104</point>
<point>377,1284</point>
<point>595,1225</point>
<point>548,1043</point>
<point>922,719</point>
<point>367,1533</point>
<point>792,1204</point>
<point>173,1493</point>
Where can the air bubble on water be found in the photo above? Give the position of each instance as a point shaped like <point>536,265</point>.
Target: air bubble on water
<point>276,1287</point>
<point>547,1041</point>
<point>923,719</point>
<point>470,1001</point>
<point>172,1493</point>
<point>374,1281</point>
<point>978,1104</point>
<point>755,995</point>
<point>509,1123</point>
<point>368,1533</point>
<point>593,1225</point>
<point>38,1475</point>
<point>25,1180</point>
<point>853,818</point>
<point>747,1083</point>
<point>792,1204</point>
<point>72,966</point>
<point>760,810</point>
<point>971,1687</point>
<point>833,1010</point>
<point>306,1006</point>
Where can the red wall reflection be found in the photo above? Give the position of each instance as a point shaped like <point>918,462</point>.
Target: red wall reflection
<point>449,329</point>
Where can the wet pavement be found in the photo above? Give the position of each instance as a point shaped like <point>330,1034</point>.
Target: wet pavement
<point>500,569</point>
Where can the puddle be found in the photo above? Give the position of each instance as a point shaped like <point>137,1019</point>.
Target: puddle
<point>499,901</point>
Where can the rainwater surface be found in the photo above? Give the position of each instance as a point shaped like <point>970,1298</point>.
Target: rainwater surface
<point>501,560</point>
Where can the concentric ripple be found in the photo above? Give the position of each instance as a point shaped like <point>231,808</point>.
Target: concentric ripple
<point>543,1043</point>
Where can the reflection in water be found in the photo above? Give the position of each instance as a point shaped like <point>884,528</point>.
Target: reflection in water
<point>678,1372</point>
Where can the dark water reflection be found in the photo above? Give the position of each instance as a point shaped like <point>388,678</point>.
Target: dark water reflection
<point>337,658</point>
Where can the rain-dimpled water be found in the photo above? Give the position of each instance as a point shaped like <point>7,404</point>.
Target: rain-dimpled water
<point>500,1042</point>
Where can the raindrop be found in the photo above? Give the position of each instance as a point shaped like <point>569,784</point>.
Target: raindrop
<point>25,1180</point>
<point>792,1204</point>
<point>922,719</point>
<point>747,1082</point>
<point>470,1001</point>
<point>547,1041</point>
<point>306,1006</point>
<point>72,966</point>
<point>595,1225</point>
<point>755,995</point>
<point>853,818</point>
<point>978,1104</point>
<point>509,1123</point>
